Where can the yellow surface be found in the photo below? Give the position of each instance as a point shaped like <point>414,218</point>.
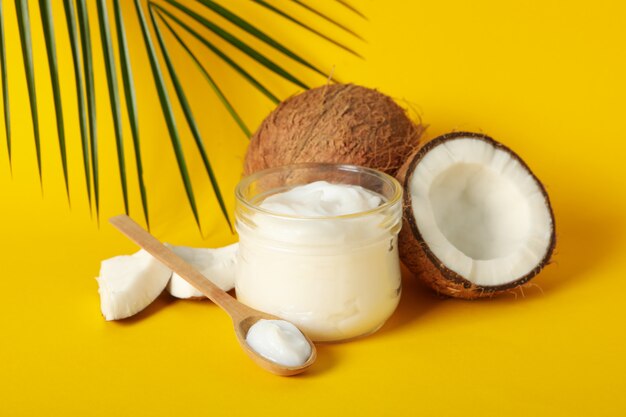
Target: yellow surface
<point>546,78</point>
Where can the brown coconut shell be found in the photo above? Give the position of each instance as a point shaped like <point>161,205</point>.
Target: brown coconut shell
<point>336,123</point>
<point>418,257</point>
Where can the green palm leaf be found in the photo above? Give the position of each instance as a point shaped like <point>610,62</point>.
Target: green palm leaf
<point>85,41</point>
<point>23,20</point>
<point>351,8</point>
<point>70,16</point>
<point>327,18</point>
<point>178,18</point>
<point>114,100</point>
<point>209,79</point>
<point>168,112</point>
<point>190,119</point>
<point>45,10</point>
<point>131,102</point>
<point>220,54</point>
<point>5,87</point>
<point>307,27</point>
<point>237,43</point>
<point>243,24</point>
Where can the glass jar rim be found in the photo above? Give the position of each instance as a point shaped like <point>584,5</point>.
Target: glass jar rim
<point>246,181</point>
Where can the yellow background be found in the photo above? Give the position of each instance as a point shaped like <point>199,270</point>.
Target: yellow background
<point>547,78</point>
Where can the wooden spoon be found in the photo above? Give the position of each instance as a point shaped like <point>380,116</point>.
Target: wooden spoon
<point>243,316</point>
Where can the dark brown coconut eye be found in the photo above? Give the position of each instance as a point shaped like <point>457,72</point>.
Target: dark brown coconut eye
<point>338,123</point>
<point>476,221</point>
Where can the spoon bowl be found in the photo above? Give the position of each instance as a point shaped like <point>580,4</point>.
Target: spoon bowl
<point>243,316</point>
<point>241,330</point>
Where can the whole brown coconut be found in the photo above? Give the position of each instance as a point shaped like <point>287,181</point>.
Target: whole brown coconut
<point>338,123</point>
<point>477,221</point>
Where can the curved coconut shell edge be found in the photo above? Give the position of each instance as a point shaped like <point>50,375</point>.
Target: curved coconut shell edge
<point>420,260</point>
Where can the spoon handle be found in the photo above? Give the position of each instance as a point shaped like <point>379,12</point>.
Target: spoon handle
<point>168,258</point>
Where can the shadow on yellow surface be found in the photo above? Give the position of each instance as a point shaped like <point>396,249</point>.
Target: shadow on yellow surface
<point>162,301</point>
<point>588,235</point>
<point>416,302</point>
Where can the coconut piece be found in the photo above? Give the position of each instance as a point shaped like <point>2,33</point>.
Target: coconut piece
<point>129,283</point>
<point>217,265</point>
<point>337,123</point>
<point>477,222</point>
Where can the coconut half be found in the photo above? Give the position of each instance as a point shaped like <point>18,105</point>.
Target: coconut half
<point>476,220</point>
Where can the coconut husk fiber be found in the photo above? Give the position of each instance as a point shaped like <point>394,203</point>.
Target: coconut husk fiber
<point>336,123</point>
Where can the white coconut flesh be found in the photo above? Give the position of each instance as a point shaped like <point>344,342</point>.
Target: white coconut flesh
<point>127,284</point>
<point>216,264</point>
<point>480,211</point>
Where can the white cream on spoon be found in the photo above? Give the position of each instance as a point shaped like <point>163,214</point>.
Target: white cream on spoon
<point>279,341</point>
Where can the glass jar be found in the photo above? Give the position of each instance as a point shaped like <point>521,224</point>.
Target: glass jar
<point>335,277</point>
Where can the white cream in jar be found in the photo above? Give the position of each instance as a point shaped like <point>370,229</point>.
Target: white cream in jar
<point>320,253</point>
